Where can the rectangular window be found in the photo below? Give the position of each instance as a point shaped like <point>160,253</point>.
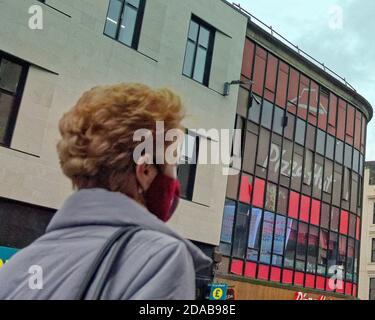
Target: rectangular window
<point>372,289</point>
<point>188,165</point>
<point>254,234</point>
<point>279,239</point>
<point>259,70</point>
<point>323,109</point>
<point>373,219</point>
<point>303,98</point>
<point>227,227</point>
<point>293,91</point>
<point>332,114</point>
<point>12,81</point>
<point>124,21</point>
<point>240,230</point>
<point>341,120</point>
<point>372,177</point>
<point>267,237</point>
<point>373,251</point>
<point>248,57</point>
<point>282,84</point>
<point>290,243</point>
<point>199,49</point>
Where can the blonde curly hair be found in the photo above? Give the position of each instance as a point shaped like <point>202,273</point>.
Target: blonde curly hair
<point>96,148</point>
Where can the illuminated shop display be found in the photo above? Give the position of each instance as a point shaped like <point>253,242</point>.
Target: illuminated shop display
<point>293,211</point>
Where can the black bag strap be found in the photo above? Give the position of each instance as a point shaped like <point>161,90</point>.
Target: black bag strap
<point>118,241</point>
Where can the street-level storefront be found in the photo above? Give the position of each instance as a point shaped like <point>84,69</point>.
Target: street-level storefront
<point>263,290</point>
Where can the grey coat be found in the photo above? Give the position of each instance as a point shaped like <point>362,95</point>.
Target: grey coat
<point>157,264</point>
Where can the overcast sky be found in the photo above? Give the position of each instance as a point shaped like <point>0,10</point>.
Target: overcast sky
<point>336,32</point>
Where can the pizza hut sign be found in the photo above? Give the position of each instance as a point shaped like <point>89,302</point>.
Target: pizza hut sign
<point>304,296</point>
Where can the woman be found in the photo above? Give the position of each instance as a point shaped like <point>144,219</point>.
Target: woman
<point>110,240</point>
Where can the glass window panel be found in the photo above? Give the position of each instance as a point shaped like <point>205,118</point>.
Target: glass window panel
<point>297,168</point>
<point>337,185</point>
<point>300,132</point>
<point>232,186</point>
<point>278,245</point>
<point>275,155</point>
<point>310,137</point>
<point>10,74</point>
<point>330,147</point>
<point>323,248</point>
<point>328,177</point>
<point>259,70</point>
<point>293,90</point>
<point>318,177</point>
<point>301,242</point>
<point>303,100</point>
<point>307,176</point>
<point>354,193</point>
<point>350,262</point>
<point>335,216</point>
<point>134,3</point>
<point>290,243</point>
<point>264,146</point>
<point>193,31</point>
<point>342,251</point>
<point>339,151</point>
<point>348,156</point>
<point>6,106</point>
<point>189,59</point>
<point>240,231</point>
<point>289,129</point>
<point>127,27</point>
<point>267,114</point>
<point>285,169</point>
<point>282,200</point>
<point>320,142</point>
<point>227,226</point>
<point>254,113</point>
<point>113,17</point>
<point>254,234</point>
<point>282,84</point>
<point>278,121</point>
<point>356,160</point>
<point>249,154</point>
<point>332,254</point>
<point>204,37</point>
<point>325,216</point>
<point>345,185</point>
<point>200,64</point>
<point>312,249</point>
<point>267,237</point>
<point>271,197</point>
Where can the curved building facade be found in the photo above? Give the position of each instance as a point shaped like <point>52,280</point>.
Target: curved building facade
<point>292,216</point>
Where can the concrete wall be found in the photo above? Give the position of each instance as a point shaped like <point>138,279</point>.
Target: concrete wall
<point>366,267</point>
<point>80,56</point>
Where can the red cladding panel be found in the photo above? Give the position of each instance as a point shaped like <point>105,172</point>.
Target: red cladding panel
<point>293,90</point>
<point>245,190</point>
<point>357,134</point>
<point>250,270</point>
<point>344,222</point>
<point>341,289</point>
<point>320,283</point>
<point>259,70</point>
<point>275,274</point>
<point>263,272</point>
<point>310,281</point>
<point>271,73</point>
<point>248,58</point>
<point>341,120</point>
<point>328,285</point>
<point>332,114</point>
<point>303,98</point>
<point>323,112</point>
<point>298,278</point>
<point>305,209</point>
<point>315,212</point>
<point>348,288</point>
<point>293,205</point>
<point>354,290</point>
<point>237,267</point>
<point>358,229</point>
<point>258,198</point>
<point>288,276</point>
<point>313,104</point>
<point>282,84</point>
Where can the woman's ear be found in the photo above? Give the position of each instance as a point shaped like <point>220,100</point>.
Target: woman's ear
<point>145,173</point>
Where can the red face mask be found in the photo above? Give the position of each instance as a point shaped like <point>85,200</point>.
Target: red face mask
<point>163,196</point>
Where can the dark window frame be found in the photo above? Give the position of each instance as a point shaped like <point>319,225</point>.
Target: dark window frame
<point>138,24</point>
<point>209,57</point>
<point>11,123</point>
<point>192,169</point>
